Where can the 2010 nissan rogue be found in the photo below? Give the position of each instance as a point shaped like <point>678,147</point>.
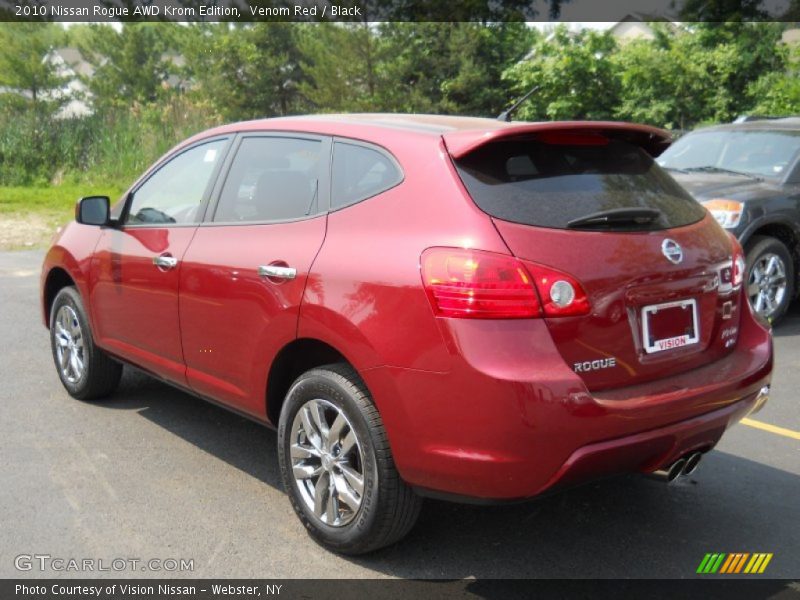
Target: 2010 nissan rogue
<point>421,305</point>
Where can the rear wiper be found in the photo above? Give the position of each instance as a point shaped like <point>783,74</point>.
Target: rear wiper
<point>713,169</point>
<point>616,216</point>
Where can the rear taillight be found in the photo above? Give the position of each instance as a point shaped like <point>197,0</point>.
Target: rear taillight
<point>739,264</point>
<point>561,294</point>
<point>478,285</point>
<point>485,285</point>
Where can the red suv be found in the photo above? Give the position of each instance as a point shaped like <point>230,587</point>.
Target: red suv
<point>457,307</point>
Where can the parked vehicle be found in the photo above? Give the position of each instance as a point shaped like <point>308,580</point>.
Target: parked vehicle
<point>422,306</point>
<point>748,175</point>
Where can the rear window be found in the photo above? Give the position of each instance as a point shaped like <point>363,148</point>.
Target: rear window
<point>549,185</point>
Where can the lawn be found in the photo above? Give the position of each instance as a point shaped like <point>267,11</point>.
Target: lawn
<point>29,216</point>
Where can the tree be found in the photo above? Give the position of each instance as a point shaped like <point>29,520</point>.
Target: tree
<point>131,65</point>
<point>573,73</point>
<point>344,66</point>
<point>777,93</point>
<point>247,71</point>
<point>24,61</point>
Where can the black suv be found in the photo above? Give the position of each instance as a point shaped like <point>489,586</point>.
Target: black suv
<point>748,175</point>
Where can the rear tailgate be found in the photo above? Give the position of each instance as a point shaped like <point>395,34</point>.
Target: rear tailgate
<point>650,317</point>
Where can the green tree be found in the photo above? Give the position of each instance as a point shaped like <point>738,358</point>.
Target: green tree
<point>247,71</point>
<point>25,63</point>
<point>453,68</point>
<point>131,65</point>
<point>344,67</point>
<point>777,93</point>
<point>574,74</point>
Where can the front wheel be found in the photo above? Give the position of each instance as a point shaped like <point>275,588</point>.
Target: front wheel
<point>85,370</point>
<point>337,466</point>
<point>770,277</point>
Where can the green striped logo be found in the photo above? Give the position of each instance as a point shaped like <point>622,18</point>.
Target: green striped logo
<point>733,563</point>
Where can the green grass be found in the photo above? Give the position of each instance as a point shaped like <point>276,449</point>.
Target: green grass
<point>51,200</point>
<point>29,216</point>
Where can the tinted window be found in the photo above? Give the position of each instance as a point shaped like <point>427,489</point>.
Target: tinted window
<point>761,153</point>
<point>271,179</point>
<point>172,195</point>
<point>548,185</point>
<point>359,173</point>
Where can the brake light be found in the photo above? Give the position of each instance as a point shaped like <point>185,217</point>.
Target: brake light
<point>478,285</point>
<point>484,285</point>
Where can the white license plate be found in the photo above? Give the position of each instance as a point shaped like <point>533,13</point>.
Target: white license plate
<point>670,325</point>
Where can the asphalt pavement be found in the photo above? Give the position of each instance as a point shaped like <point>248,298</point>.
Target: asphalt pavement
<point>154,473</point>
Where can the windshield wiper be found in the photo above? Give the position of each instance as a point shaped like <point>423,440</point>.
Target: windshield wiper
<point>676,169</point>
<point>616,216</point>
<point>713,169</point>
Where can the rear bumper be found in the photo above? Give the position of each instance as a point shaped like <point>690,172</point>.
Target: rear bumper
<point>511,420</point>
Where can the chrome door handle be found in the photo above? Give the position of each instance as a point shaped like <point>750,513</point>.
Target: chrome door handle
<point>165,262</point>
<point>277,272</point>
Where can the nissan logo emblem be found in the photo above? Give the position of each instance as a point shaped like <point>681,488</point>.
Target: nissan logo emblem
<point>672,251</point>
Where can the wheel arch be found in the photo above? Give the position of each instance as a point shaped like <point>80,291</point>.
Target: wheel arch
<point>294,359</point>
<point>57,279</point>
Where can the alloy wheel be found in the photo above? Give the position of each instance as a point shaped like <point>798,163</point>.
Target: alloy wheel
<point>327,462</point>
<point>69,344</point>
<point>766,286</point>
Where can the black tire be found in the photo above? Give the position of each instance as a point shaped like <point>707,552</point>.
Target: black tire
<point>389,508</point>
<point>100,373</point>
<point>758,248</point>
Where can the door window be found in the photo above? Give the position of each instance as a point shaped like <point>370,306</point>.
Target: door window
<point>271,179</point>
<point>174,193</point>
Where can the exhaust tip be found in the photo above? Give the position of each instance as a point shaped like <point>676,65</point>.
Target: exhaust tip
<point>691,463</point>
<point>676,469</point>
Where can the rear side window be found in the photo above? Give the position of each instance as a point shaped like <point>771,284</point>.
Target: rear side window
<point>549,185</point>
<point>360,172</point>
<point>271,179</point>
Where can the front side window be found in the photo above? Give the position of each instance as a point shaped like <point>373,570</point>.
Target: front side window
<point>173,194</point>
<point>271,179</point>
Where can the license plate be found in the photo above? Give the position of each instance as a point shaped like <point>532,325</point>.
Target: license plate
<point>670,325</point>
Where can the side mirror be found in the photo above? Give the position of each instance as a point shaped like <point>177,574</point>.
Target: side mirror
<point>93,210</point>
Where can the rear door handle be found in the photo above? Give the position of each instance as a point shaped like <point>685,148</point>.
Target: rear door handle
<point>165,262</point>
<point>277,272</point>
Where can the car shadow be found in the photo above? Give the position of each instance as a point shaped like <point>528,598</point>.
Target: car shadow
<point>626,527</point>
<point>790,324</point>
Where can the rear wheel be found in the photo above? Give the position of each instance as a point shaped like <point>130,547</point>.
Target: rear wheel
<point>337,466</point>
<point>85,370</point>
<point>770,277</point>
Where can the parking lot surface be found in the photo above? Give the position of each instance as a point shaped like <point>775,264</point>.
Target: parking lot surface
<point>153,473</point>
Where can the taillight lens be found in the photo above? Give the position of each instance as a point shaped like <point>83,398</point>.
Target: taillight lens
<point>484,285</point>
<point>739,264</point>
<point>561,294</point>
<point>478,285</point>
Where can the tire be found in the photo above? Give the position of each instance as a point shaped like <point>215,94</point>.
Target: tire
<point>770,277</point>
<point>86,372</point>
<point>386,509</point>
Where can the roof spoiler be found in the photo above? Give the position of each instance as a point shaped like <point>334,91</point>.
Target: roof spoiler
<point>651,139</point>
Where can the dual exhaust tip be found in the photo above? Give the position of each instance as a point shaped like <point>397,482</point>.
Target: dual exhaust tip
<point>685,465</point>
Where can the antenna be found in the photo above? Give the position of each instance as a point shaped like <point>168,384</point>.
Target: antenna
<point>506,114</point>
